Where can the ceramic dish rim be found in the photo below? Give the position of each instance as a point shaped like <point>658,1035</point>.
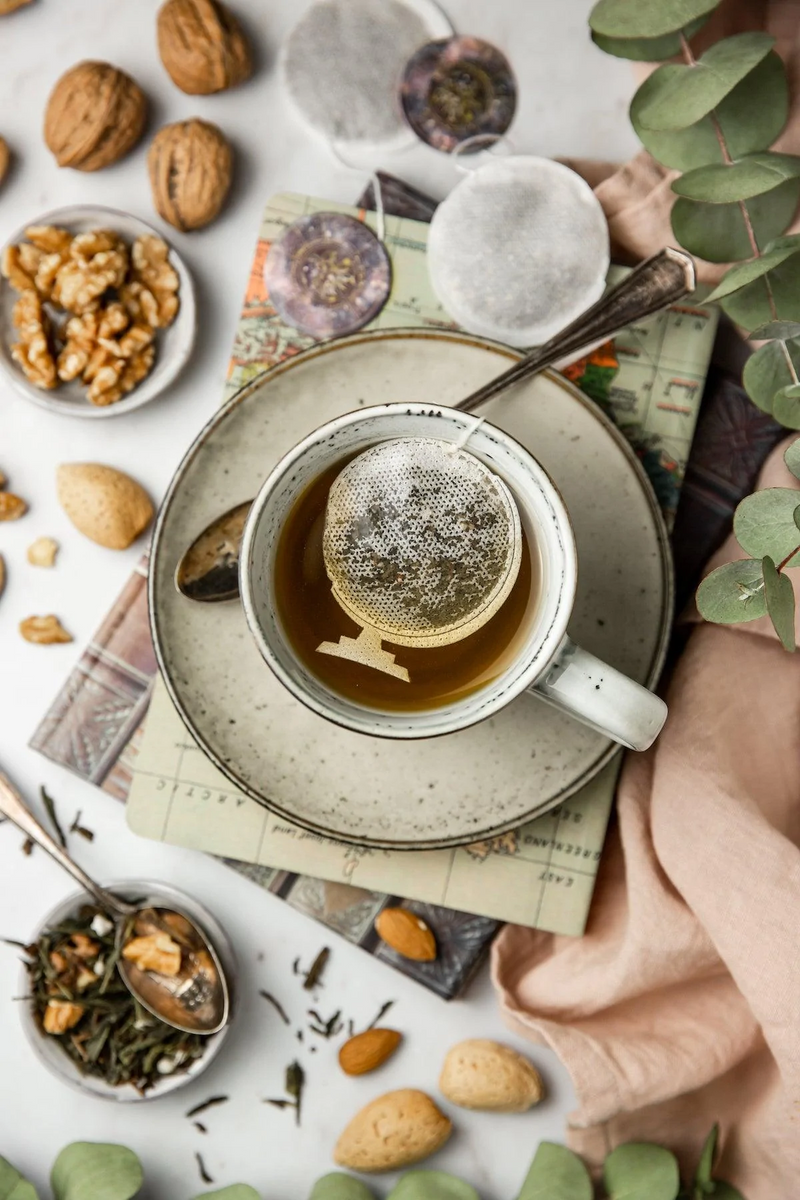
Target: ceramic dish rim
<point>319,350</point>
<point>175,363</point>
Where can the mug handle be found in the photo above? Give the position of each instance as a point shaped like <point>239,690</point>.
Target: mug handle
<point>602,697</point>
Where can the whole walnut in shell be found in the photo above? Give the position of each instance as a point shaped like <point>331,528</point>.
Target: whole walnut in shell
<point>95,115</point>
<point>202,46</point>
<point>190,166</point>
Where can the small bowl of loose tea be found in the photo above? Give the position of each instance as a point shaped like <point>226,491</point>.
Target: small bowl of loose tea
<point>81,1020</point>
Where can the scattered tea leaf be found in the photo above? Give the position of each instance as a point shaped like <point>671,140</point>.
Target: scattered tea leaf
<point>76,827</point>
<point>201,1166</point>
<point>381,1013</point>
<point>27,847</point>
<point>296,967</point>
<point>329,1028</point>
<point>279,1103</point>
<point>280,1010</point>
<point>13,1185</point>
<point>295,1082</point>
<point>779,594</point>
<point>556,1174</point>
<point>199,1126</point>
<point>314,974</point>
<point>641,1171</point>
<point>339,1186</point>
<point>96,1171</point>
<point>733,592</point>
<point>50,808</point>
<point>212,1102</point>
<point>432,1185</point>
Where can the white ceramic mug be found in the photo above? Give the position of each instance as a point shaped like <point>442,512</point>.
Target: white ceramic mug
<point>546,662</point>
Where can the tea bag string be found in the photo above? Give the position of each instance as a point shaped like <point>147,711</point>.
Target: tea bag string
<point>377,190</point>
<point>499,145</point>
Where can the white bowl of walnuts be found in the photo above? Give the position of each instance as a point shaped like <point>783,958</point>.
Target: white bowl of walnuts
<point>97,312</point>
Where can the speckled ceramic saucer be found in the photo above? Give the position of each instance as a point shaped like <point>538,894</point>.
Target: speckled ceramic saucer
<point>443,791</point>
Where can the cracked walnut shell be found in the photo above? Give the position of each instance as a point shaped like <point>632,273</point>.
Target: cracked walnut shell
<point>95,115</point>
<point>202,46</point>
<point>190,165</point>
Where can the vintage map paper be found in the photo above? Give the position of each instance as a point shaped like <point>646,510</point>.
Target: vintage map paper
<point>651,382</point>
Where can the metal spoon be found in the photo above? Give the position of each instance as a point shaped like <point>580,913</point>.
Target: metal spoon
<point>209,568</point>
<point>196,1000</point>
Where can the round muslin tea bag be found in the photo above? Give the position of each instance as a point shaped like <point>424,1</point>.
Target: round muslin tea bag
<point>456,90</point>
<point>343,62</point>
<point>518,250</point>
<point>328,274</point>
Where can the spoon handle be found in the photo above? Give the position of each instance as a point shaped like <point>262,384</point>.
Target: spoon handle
<point>656,283</point>
<point>14,807</point>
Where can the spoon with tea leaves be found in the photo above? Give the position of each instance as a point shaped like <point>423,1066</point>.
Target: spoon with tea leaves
<point>209,569</point>
<point>165,961</point>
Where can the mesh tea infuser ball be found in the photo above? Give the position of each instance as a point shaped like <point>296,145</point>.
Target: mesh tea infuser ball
<point>518,250</point>
<point>422,545</point>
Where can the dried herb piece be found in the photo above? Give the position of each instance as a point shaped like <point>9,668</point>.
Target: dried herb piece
<point>280,1103</point>
<point>329,1028</point>
<point>206,1104</point>
<point>27,847</point>
<point>50,807</point>
<point>199,1126</point>
<point>299,1035</point>
<point>76,827</point>
<point>201,1166</point>
<point>276,1004</point>
<point>314,973</point>
<point>296,967</point>
<point>108,1034</point>
<point>380,1014</point>
<point>295,1082</point>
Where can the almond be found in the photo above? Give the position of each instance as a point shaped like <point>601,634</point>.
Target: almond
<point>395,1130</point>
<point>104,504</point>
<point>486,1075</point>
<point>406,933</point>
<point>369,1050</point>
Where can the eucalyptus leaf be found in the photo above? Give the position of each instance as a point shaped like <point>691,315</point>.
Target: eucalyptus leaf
<point>340,1186</point>
<point>750,118</point>
<point>786,406</point>
<point>718,233</point>
<point>96,1171</point>
<point>556,1174</point>
<point>722,183</point>
<point>783,330</point>
<point>739,276</point>
<point>234,1191</point>
<point>767,371</point>
<point>13,1185</point>
<point>646,18</point>
<point>432,1185</point>
<point>641,1171</point>
<point>780,602</point>
<point>689,93</point>
<point>764,524</point>
<point>750,307</point>
<point>792,458</point>
<point>702,1176</point>
<point>733,593</point>
<point>647,49</point>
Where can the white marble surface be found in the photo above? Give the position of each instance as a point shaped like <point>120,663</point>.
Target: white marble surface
<point>573,102</point>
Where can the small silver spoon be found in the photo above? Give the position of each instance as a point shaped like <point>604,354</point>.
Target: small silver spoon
<point>209,568</point>
<point>196,1000</point>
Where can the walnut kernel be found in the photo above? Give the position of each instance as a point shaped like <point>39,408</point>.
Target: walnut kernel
<point>44,631</point>
<point>155,952</point>
<point>61,1015</point>
<point>42,552</point>
<point>11,507</point>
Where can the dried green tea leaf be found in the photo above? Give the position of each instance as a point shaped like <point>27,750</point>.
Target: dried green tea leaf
<point>722,183</point>
<point>767,370</point>
<point>718,232</point>
<point>655,49</point>
<point>689,93</point>
<point>780,602</point>
<point>733,593</point>
<point>764,524</point>
<point>783,330</point>
<point>702,1176</point>
<point>13,1185</point>
<point>792,458</point>
<point>234,1191</point>
<point>556,1174</point>
<point>750,117</point>
<point>647,18</point>
<point>751,308</point>
<point>339,1186</point>
<point>744,273</point>
<point>432,1185</point>
<point>786,406</point>
<point>640,1171</point>
<point>50,808</point>
<point>96,1171</point>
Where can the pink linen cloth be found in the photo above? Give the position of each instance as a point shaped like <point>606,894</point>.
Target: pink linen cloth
<point>681,1004</point>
